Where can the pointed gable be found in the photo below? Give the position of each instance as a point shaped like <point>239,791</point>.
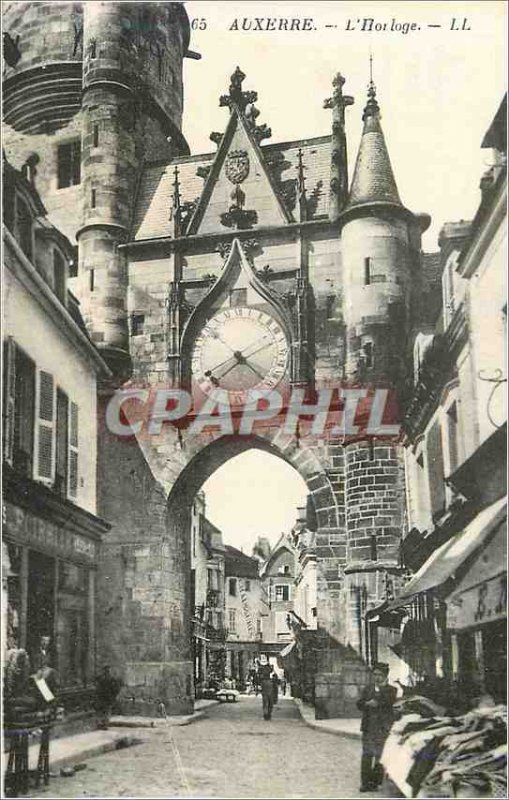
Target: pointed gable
<point>238,153</point>
<point>373,179</point>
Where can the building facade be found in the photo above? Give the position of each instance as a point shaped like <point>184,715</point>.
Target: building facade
<point>245,605</point>
<point>207,588</point>
<point>51,530</point>
<point>278,577</point>
<point>268,234</point>
<point>449,620</point>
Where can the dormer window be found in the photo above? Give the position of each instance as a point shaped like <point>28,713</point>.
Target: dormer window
<point>59,275</point>
<point>24,227</point>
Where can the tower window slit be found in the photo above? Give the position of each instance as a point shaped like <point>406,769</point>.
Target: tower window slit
<point>91,280</point>
<point>373,549</point>
<point>92,198</point>
<point>367,271</point>
<point>368,354</point>
<point>96,135</point>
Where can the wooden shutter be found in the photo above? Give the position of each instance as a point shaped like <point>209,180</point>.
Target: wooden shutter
<point>73,450</point>
<point>9,398</point>
<point>436,469</point>
<point>62,444</point>
<point>45,464</point>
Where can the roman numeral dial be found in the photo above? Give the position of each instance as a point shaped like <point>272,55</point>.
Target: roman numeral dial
<point>240,349</point>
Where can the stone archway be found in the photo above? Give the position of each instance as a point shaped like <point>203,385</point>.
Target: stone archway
<point>143,586</point>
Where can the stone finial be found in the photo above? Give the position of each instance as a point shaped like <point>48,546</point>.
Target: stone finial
<point>338,184</point>
<point>176,208</point>
<point>235,96</point>
<point>301,187</point>
<point>371,108</point>
<point>216,137</point>
<point>338,100</point>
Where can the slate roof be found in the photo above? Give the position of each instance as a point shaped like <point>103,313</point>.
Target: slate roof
<point>154,197</point>
<point>373,179</point>
<point>239,565</point>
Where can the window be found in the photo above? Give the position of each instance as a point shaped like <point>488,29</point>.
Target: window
<point>452,435</point>
<point>69,164</point>
<point>59,275</point>
<point>92,198</point>
<point>91,279</point>
<point>373,548</point>
<point>282,593</point>
<point>24,227</point>
<point>367,271</point>
<point>62,444</point>
<point>435,469</point>
<point>286,569</point>
<point>96,136</point>
<point>367,350</point>
<point>19,408</point>
<point>40,425</point>
<point>137,322</point>
<point>247,585</point>
<point>232,620</point>
<point>258,626</point>
<point>232,587</point>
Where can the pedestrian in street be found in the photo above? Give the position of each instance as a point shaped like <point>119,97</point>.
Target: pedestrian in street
<point>283,685</point>
<point>256,678</point>
<point>376,703</point>
<point>275,685</point>
<point>264,674</point>
<point>107,688</point>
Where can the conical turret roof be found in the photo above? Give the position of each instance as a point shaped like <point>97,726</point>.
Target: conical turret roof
<point>373,179</point>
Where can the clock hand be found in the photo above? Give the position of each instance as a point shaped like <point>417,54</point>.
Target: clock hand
<point>247,354</point>
<point>255,370</point>
<point>237,358</point>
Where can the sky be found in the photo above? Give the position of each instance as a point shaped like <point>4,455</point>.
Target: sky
<point>438,91</point>
<point>254,494</point>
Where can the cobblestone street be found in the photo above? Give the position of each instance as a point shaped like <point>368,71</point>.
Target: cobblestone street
<point>233,752</point>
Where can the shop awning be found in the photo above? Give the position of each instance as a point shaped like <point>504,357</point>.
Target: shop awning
<point>447,558</point>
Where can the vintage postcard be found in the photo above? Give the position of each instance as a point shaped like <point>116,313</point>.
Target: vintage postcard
<point>254,410</point>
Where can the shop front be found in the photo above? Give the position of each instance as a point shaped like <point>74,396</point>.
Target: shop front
<point>52,547</point>
<point>456,601</point>
<point>477,619</point>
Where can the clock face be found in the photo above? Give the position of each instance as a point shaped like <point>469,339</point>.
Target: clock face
<point>240,349</point>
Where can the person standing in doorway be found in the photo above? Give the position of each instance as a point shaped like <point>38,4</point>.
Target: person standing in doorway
<point>264,677</point>
<point>376,703</point>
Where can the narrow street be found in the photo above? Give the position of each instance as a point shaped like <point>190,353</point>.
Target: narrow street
<point>233,752</point>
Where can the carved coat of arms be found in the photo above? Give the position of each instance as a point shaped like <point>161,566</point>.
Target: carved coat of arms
<point>237,166</point>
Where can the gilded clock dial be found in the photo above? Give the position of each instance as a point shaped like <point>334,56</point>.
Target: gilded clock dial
<point>240,349</point>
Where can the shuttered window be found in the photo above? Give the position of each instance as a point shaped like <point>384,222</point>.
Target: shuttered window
<point>62,444</point>
<point>59,275</point>
<point>452,434</point>
<point>73,450</point>
<point>435,461</point>
<point>24,411</point>
<point>45,432</point>
<point>18,408</point>
<point>9,382</point>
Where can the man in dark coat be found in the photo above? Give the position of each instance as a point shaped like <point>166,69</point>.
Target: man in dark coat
<point>264,674</point>
<point>376,704</point>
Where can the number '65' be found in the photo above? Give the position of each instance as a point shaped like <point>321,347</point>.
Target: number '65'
<point>198,24</point>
